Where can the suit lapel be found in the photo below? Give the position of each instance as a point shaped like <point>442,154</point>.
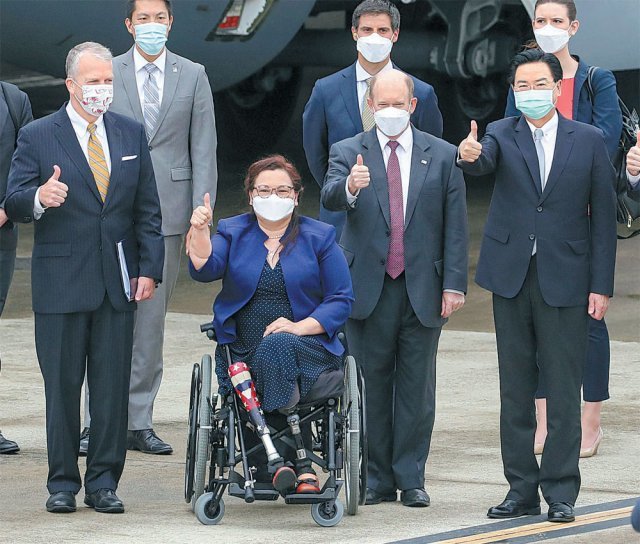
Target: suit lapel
<point>115,152</point>
<point>349,92</point>
<point>420,162</point>
<point>564,144</point>
<point>172,71</point>
<point>128,78</point>
<point>524,140</point>
<point>4,116</point>
<point>67,138</point>
<point>372,157</point>
<point>579,80</point>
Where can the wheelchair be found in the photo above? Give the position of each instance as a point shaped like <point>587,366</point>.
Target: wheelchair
<point>335,411</point>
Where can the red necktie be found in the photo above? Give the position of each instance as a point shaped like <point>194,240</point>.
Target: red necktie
<point>395,257</point>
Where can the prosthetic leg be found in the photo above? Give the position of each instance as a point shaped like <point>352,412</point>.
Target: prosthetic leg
<point>307,481</point>
<point>284,478</point>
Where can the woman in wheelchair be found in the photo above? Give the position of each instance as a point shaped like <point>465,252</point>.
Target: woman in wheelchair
<point>286,292</point>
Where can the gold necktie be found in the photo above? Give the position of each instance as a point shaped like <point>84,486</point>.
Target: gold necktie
<point>97,162</point>
<point>368,120</point>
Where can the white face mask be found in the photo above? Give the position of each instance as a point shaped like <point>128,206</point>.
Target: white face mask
<point>96,99</point>
<point>273,208</point>
<point>392,121</point>
<point>374,47</point>
<point>551,39</point>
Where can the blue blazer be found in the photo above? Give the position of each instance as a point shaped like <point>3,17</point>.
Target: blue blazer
<point>332,114</point>
<point>604,113</point>
<point>74,264</point>
<point>315,273</point>
<point>576,250</point>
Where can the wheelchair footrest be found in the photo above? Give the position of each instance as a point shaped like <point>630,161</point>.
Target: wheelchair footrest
<point>261,492</point>
<point>327,494</point>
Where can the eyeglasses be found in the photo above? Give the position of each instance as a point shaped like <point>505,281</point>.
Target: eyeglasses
<point>264,191</point>
<point>538,86</point>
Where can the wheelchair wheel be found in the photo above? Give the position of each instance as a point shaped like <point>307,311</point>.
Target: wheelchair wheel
<point>364,441</point>
<point>202,510</point>
<point>327,514</point>
<point>204,430</point>
<point>194,405</point>
<point>351,441</point>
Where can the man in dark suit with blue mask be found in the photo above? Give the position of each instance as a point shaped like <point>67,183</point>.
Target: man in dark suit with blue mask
<point>83,175</point>
<point>548,257</point>
<point>337,108</point>
<point>15,112</point>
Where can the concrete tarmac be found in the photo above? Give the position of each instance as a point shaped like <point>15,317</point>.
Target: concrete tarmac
<point>464,471</point>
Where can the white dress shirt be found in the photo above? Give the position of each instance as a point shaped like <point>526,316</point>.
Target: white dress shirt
<point>79,125</point>
<point>139,63</point>
<point>549,134</point>
<point>361,80</point>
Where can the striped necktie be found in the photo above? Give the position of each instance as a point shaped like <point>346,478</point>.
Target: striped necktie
<point>368,120</point>
<point>151,99</point>
<point>97,162</point>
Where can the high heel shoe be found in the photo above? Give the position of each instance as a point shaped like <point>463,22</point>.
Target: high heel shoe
<point>590,452</point>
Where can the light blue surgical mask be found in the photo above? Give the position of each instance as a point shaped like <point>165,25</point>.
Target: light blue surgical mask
<point>151,37</point>
<point>535,103</point>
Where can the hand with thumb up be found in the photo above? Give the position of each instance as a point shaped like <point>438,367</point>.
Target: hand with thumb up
<point>359,177</point>
<point>471,148</point>
<point>53,193</point>
<point>202,215</point>
<point>633,157</point>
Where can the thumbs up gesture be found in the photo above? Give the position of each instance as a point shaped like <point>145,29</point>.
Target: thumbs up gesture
<point>633,157</point>
<point>359,177</point>
<point>471,148</point>
<point>53,193</point>
<point>202,215</point>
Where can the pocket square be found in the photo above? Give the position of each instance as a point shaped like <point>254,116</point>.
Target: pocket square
<point>129,157</point>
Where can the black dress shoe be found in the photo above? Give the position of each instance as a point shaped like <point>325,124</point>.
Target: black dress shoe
<point>105,501</point>
<point>513,509</point>
<point>561,512</point>
<point>147,441</point>
<point>415,497</point>
<point>61,502</point>
<point>84,442</point>
<point>373,497</point>
<point>8,446</point>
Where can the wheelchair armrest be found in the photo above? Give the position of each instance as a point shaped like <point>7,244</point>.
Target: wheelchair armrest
<point>208,329</point>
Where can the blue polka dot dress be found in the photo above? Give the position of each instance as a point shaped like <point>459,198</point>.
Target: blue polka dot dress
<point>277,361</point>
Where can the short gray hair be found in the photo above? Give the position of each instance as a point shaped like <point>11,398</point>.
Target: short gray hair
<point>92,48</point>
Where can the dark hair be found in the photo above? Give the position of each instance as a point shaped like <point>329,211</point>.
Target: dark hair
<point>569,4</point>
<point>278,162</point>
<point>377,7</point>
<point>131,7</point>
<point>535,55</point>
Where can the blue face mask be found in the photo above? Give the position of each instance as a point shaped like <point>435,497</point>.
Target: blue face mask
<point>535,104</point>
<point>151,37</point>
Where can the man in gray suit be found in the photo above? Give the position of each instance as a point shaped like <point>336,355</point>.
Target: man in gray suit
<point>15,112</point>
<point>171,96</point>
<point>405,240</point>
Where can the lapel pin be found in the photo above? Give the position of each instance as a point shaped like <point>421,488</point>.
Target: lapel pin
<point>423,161</point>
<point>175,69</point>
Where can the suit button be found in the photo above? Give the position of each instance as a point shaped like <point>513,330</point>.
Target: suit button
<point>102,218</point>
<point>150,148</point>
<point>539,209</point>
<point>382,262</point>
<point>532,236</point>
<point>100,247</point>
<point>388,233</point>
<point>27,219</point>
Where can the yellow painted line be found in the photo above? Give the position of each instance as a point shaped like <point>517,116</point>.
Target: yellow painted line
<point>536,528</point>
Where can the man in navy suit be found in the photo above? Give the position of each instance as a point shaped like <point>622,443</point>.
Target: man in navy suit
<point>337,108</point>
<point>15,112</point>
<point>548,256</point>
<point>84,175</point>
